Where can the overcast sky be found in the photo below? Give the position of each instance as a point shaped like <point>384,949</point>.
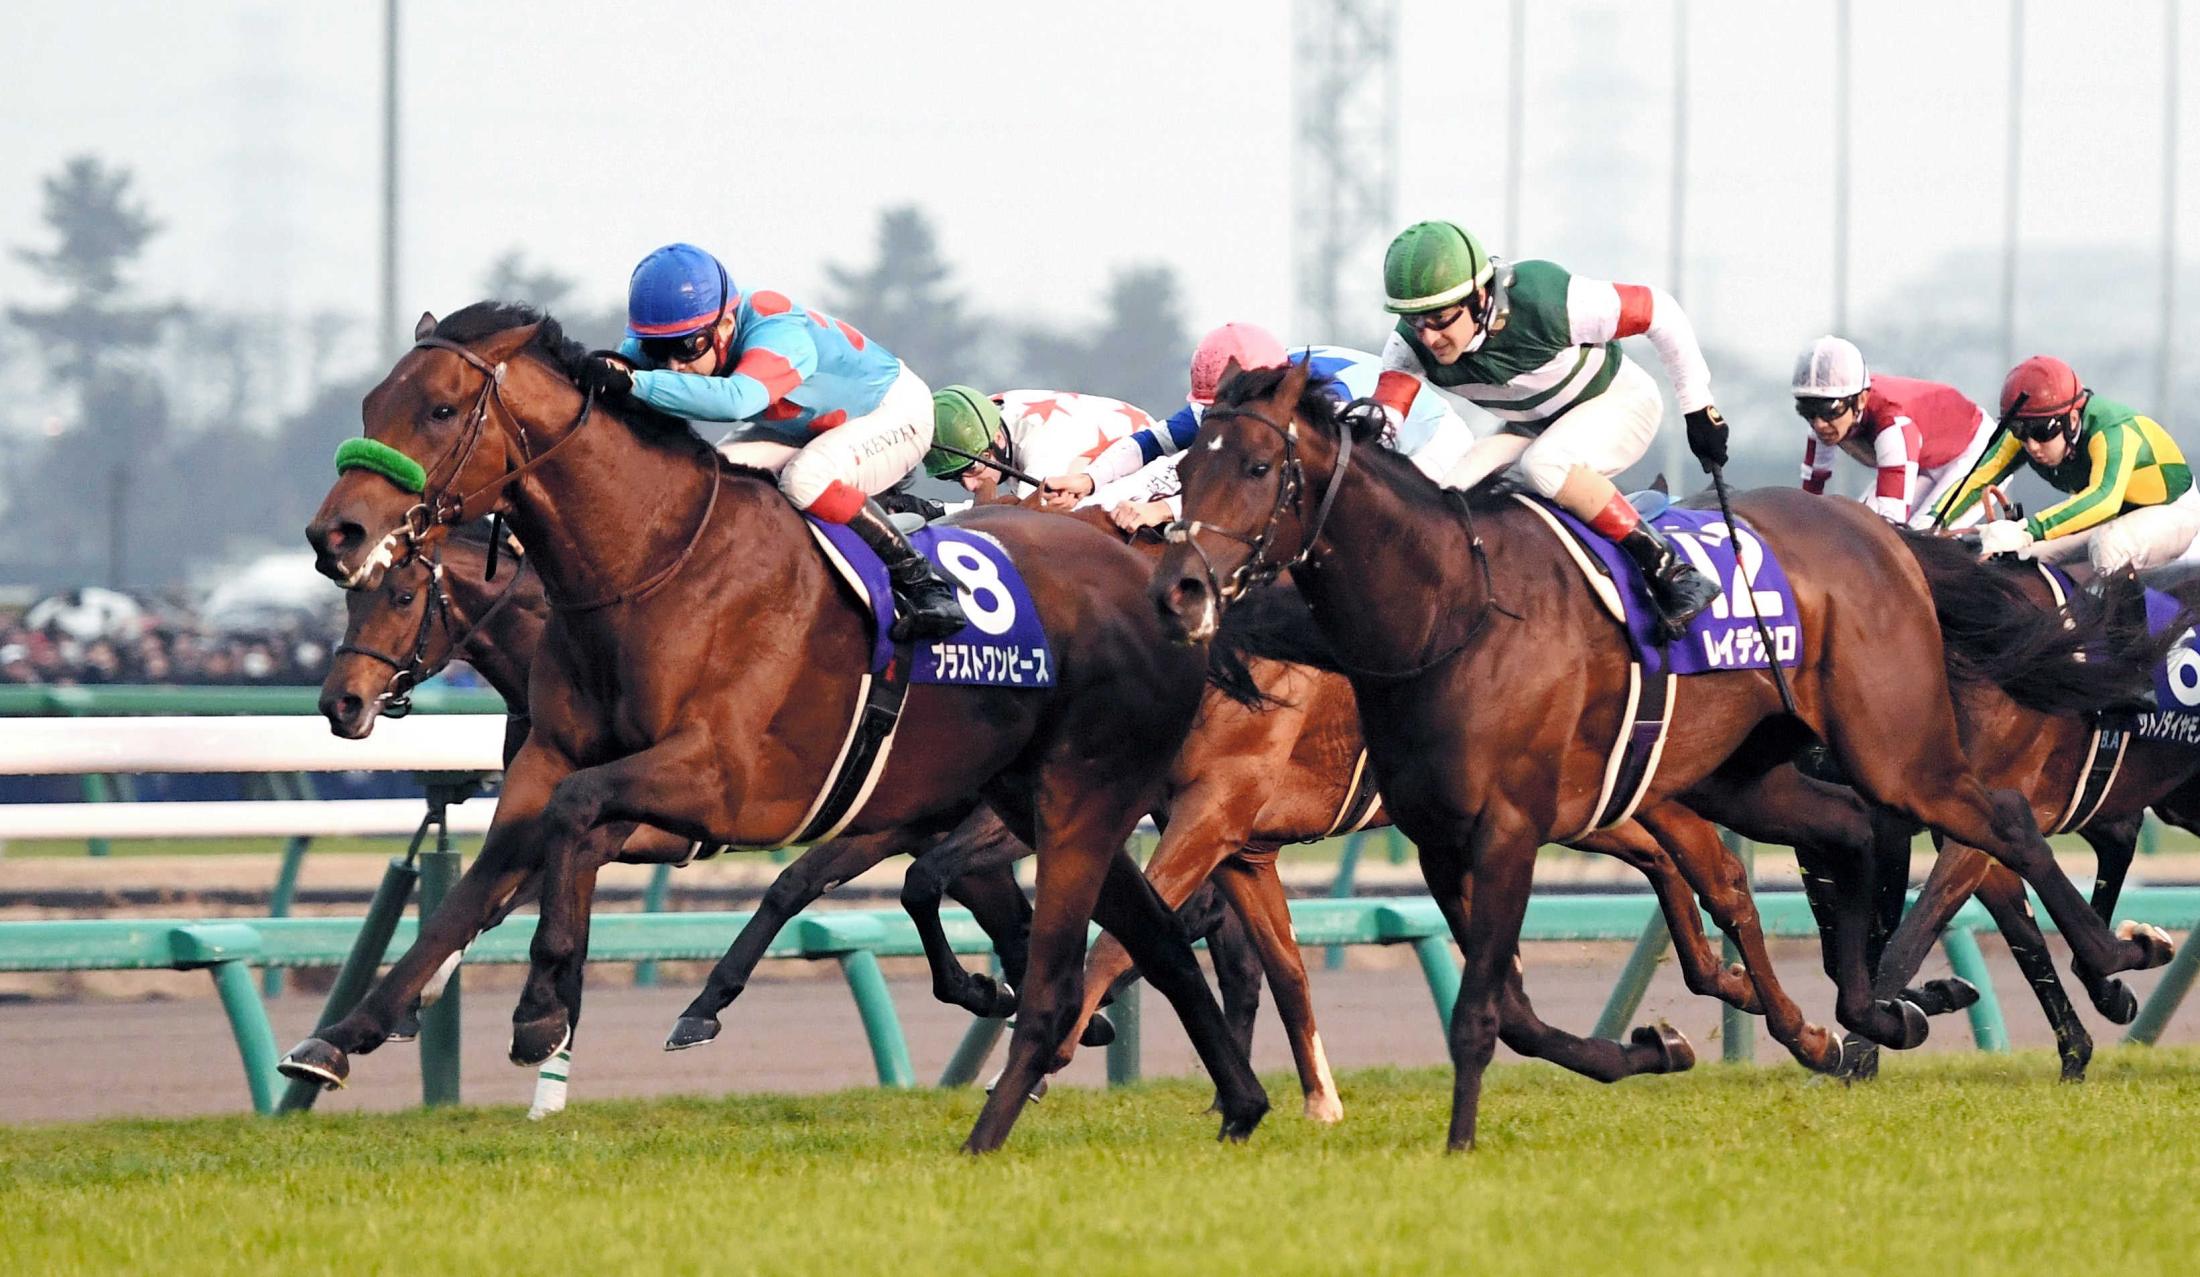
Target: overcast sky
<point>1053,142</point>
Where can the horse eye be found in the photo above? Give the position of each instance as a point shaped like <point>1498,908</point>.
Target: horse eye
<point>1256,469</point>
<point>405,599</point>
<point>443,412</point>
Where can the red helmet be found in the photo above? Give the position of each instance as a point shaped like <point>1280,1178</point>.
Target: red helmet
<point>2041,387</point>
<point>1250,344</point>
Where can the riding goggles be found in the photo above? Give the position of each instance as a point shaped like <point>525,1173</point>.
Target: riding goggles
<point>2041,429</point>
<point>679,350</point>
<point>1812,408</point>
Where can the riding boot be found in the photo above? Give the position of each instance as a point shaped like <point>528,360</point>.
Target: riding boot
<point>1678,589</point>
<point>925,607</point>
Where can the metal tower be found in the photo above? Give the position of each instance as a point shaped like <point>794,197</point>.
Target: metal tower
<point>1345,165</point>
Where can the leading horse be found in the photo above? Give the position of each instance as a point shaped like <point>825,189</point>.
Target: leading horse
<point>702,671</point>
<point>1490,723</point>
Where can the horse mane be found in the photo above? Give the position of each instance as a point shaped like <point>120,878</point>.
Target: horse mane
<point>1319,410</point>
<point>553,347</point>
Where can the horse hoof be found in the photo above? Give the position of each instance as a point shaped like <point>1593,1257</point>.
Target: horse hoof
<point>1859,1059</point>
<point>1099,1031</point>
<point>1954,993</point>
<point>2075,1060</point>
<point>691,1030</point>
<point>2115,1000</point>
<point>1000,995</point>
<point>1238,1127</point>
<point>1324,1107</point>
<point>2155,946</point>
<point>1915,1027</point>
<point>1675,1054</point>
<point>316,1061</point>
<point>538,1040</point>
<point>407,1029</point>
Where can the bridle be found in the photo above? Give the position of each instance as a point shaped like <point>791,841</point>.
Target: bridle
<point>1258,569</point>
<point>436,614</point>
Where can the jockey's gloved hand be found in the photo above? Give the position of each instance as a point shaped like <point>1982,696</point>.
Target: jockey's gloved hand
<point>2003,536</point>
<point>897,501</point>
<point>606,376</point>
<point>1707,436</point>
<point>1392,420</point>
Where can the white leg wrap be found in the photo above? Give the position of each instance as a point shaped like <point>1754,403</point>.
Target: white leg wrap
<point>432,992</point>
<point>550,1085</point>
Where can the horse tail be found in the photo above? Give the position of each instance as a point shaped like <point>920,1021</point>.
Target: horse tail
<point>2069,661</point>
<point>1272,622</point>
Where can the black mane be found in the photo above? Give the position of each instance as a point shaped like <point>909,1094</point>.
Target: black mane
<point>1318,409</point>
<point>486,319</point>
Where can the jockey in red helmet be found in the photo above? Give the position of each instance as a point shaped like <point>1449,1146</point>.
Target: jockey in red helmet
<point>2132,502</point>
<point>834,414</point>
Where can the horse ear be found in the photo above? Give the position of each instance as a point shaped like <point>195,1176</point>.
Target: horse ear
<point>1658,485</point>
<point>1294,382</point>
<point>1230,369</point>
<point>425,326</point>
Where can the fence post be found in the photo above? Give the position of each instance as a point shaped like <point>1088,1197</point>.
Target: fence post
<point>278,904</point>
<point>439,1023</point>
<point>255,1037</point>
<point>97,789</point>
<point>653,901</point>
<point>1441,970</point>
<point>977,1043</point>
<point>1634,979</point>
<point>1125,1059</point>
<point>359,966</point>
<point>1341,888</point>
<point>1988,1030</point>
<point>2168,995</point>
<point>1738,1028</point>
<point>875,1004</point>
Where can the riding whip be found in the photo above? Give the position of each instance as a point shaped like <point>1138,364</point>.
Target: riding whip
<point>996,463</point>
<point>1764,635</point>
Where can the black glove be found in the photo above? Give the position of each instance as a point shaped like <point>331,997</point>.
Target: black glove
<point>899,501</point>
<point>605,375</point>
<point>1707,436</point>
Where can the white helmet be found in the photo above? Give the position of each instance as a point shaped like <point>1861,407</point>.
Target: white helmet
<point>1833,368</point>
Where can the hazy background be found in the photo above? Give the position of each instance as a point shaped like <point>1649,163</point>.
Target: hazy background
<point>1006,194</point>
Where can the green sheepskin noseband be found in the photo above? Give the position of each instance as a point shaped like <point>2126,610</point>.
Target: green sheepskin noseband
<point>372,454</point>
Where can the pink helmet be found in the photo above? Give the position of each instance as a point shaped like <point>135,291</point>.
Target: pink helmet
<point>1250,344</point>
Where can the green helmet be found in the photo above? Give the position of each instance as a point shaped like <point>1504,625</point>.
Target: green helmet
<point>1432,265</point>
<point>961,418</point>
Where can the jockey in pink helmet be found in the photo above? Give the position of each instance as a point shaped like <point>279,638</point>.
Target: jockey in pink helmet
<point>834,414</point>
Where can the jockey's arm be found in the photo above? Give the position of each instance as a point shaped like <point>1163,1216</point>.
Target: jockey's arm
<point>1599,312</point>
<point>1817,465</point>
<point>1991,469</point>
<point>1894,456</point>
<point>2112,455</point>
<point>1140,448</point>
<point>779,356</point>
<point>1446,444</point>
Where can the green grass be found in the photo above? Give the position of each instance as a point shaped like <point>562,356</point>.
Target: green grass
<point>1959,1164</point>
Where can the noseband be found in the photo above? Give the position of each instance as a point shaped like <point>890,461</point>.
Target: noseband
<point>1258,569</point>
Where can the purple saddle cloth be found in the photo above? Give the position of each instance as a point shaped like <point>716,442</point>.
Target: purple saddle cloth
<point>1004,645</point>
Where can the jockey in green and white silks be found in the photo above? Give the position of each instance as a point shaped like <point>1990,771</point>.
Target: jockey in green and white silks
<point>1040,432</point>
<point>1538,348</point>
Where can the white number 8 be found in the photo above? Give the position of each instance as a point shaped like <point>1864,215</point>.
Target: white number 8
<point>985,597</point>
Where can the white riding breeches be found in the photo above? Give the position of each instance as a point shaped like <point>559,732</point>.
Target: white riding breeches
<point>1606,434</point>
<point>2148,537</point>
<point>864,456</point>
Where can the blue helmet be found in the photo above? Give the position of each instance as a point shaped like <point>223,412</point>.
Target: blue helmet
<point>676,291</point>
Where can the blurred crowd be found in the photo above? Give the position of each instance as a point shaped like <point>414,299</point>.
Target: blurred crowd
<point>94,636</point>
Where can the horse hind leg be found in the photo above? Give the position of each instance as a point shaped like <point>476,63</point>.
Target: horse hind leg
<point>1650,1048</point>
<point>2113,843</point>
<point>1255,891</point>
<point>2003,895</point>
<point>1702,970</point>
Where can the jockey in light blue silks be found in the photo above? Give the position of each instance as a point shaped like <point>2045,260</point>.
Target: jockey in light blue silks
<point>834,414</point>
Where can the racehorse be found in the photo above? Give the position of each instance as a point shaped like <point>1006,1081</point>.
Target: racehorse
<point>1489,722</point>
<point>701,670</point>
<point>443,604</point>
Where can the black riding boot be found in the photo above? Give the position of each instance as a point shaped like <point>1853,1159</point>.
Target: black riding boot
<point>925,607</point>
<point>1679,590</point>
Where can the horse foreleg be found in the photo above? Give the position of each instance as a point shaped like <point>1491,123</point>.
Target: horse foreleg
<point>1486,877</point>
<point>1650,1048</point>
<point>2113,842</point>
<point>813,873</point>
<point>1701,969</point>
<point>549,1008</point>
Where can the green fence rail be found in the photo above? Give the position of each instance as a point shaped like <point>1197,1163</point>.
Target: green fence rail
<point>39,701</point>
<point>229,949</point>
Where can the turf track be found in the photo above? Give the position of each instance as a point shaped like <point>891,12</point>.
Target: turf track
<point>1945,1165</point>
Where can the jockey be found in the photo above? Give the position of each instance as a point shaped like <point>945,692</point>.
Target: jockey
<point>1039,432</point>
<point>835,415</point>
<point>1539,348</point>
<point>2132,503</point>
<point>1920,436</point>
<point>1432,435</point>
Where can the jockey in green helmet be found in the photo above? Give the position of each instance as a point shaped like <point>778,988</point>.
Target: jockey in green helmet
<point>1538,348</point>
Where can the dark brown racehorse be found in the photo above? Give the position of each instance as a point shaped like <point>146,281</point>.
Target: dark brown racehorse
<point>1490,703</point>
<point>442,604</point>
<point>701,671</point>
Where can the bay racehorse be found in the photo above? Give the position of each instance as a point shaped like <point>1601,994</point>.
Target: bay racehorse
<point>1491,723</point>
<point>701,671</point>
